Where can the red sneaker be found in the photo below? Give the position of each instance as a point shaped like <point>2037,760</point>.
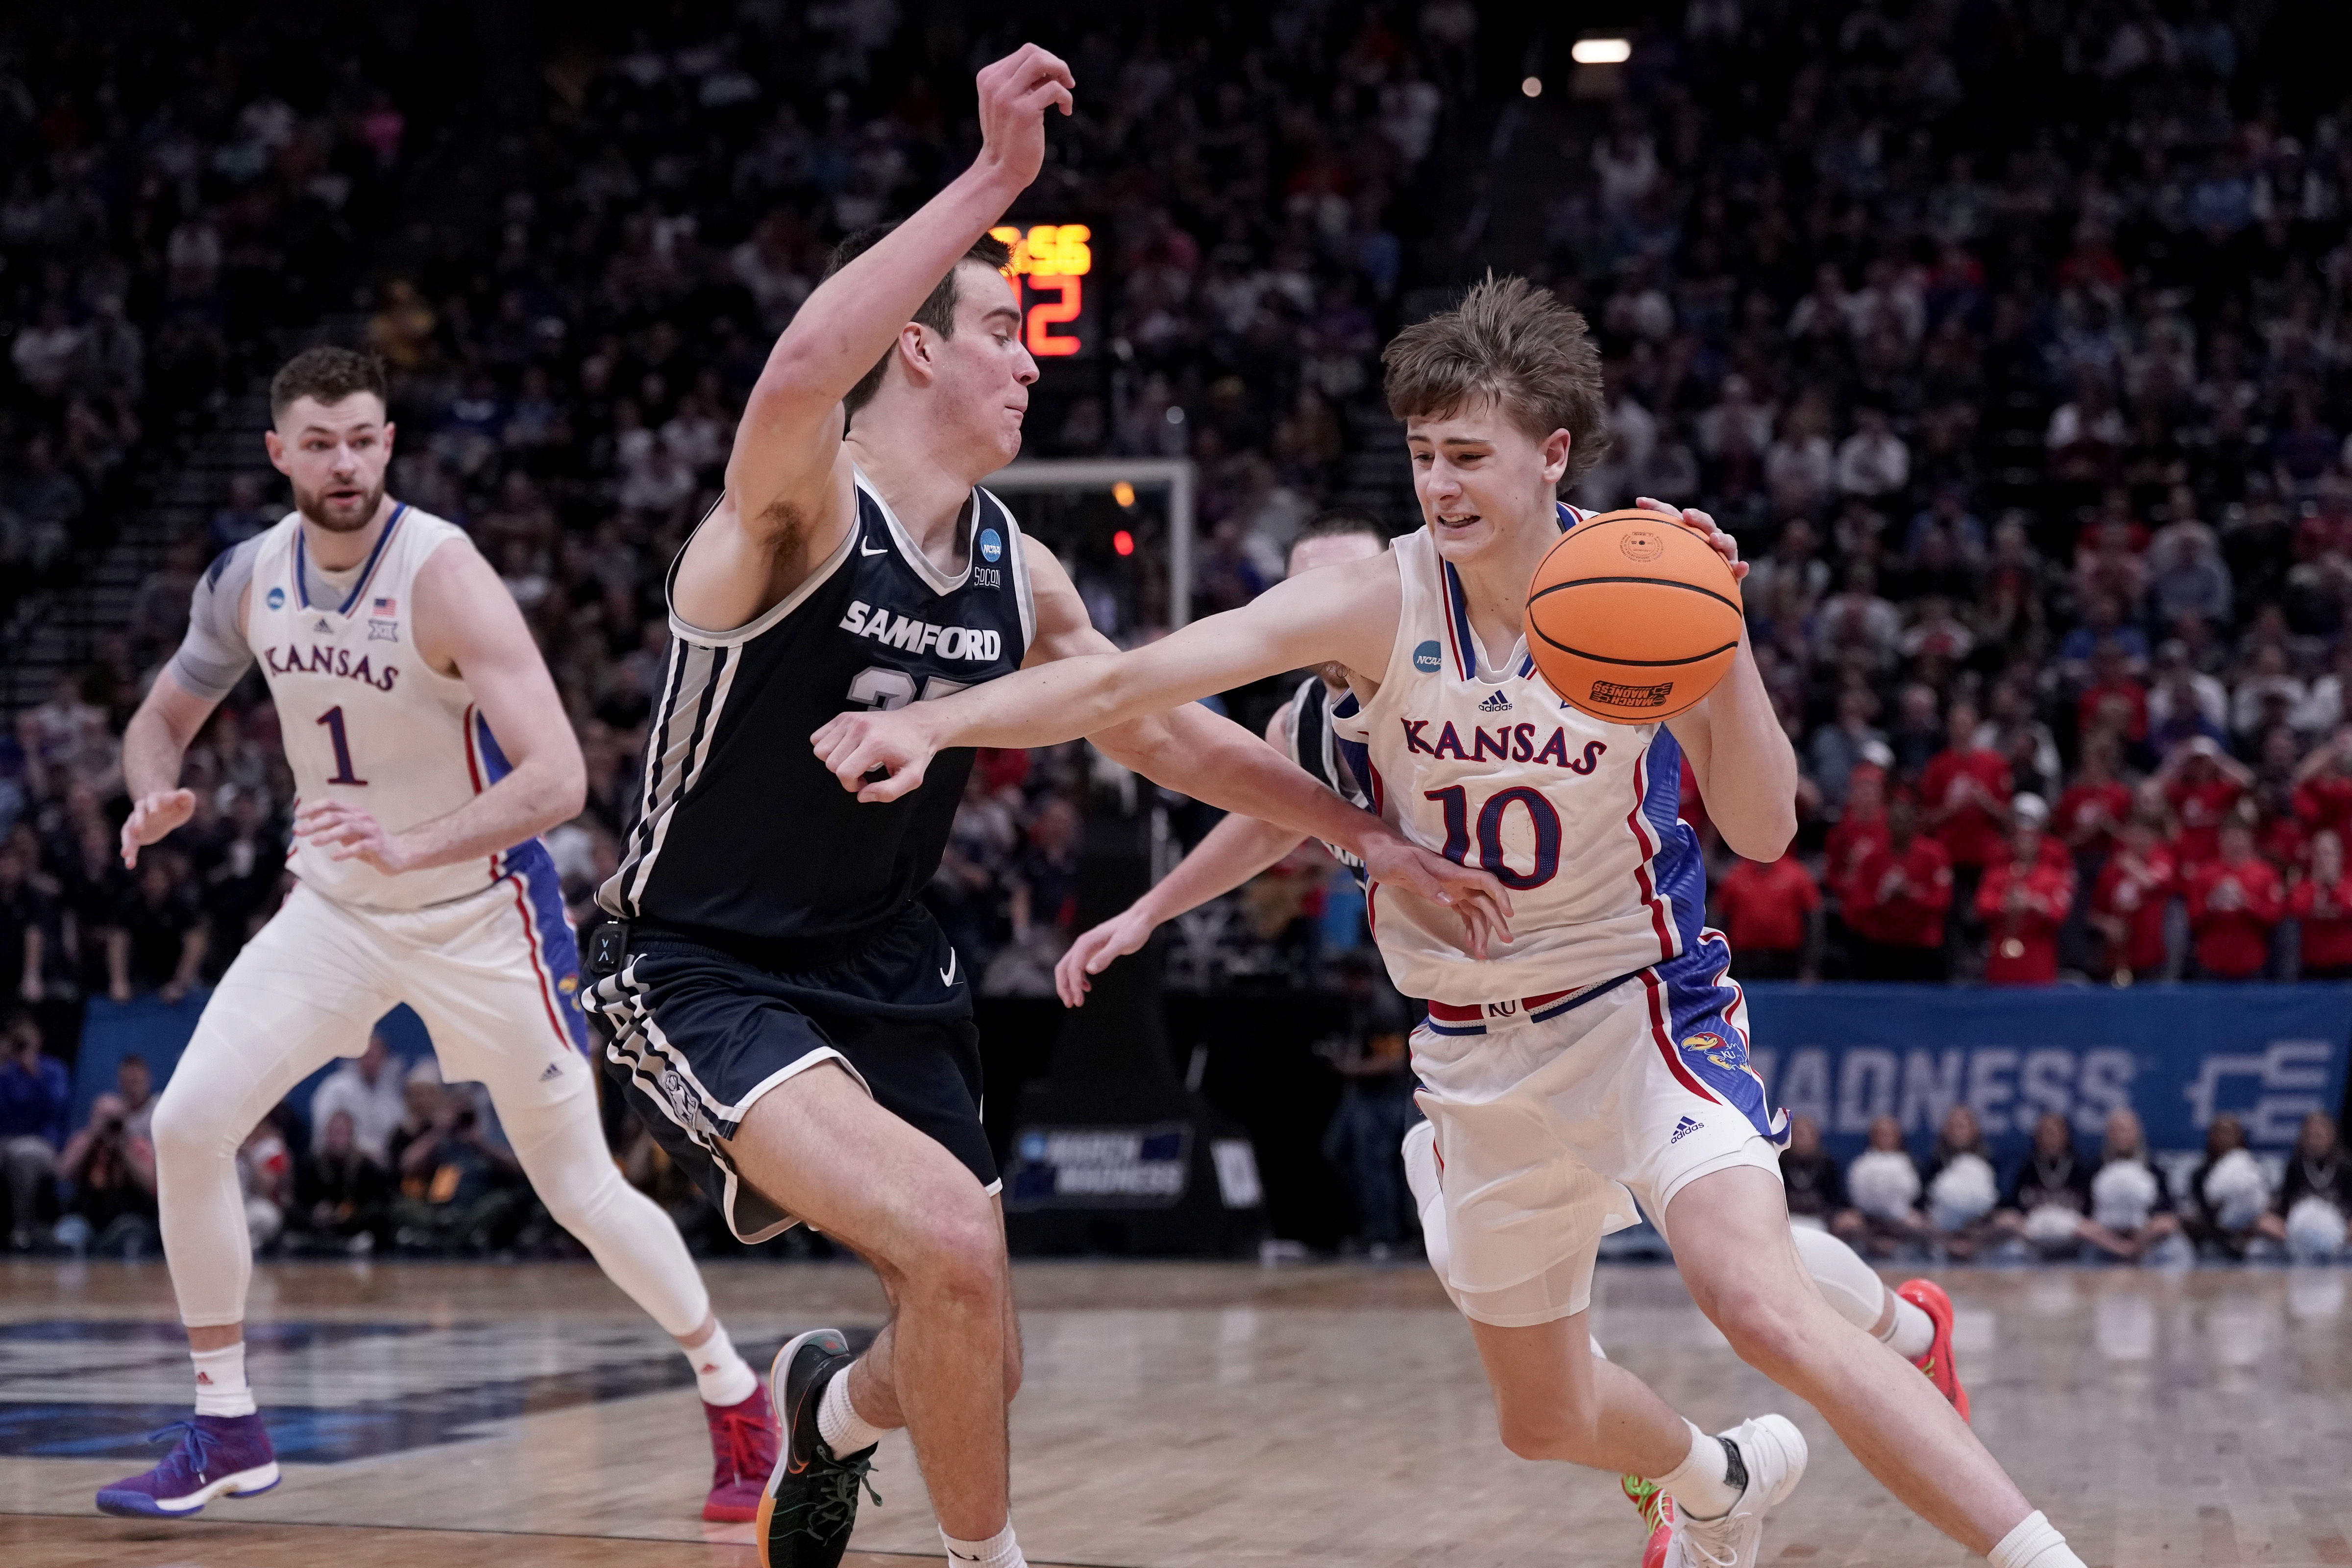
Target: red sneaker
<point>742,1452</point>
<point>1657,1511</point>
<point>1937,1364</point>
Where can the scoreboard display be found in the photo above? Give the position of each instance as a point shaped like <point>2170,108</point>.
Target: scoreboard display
<point>1051,267</point>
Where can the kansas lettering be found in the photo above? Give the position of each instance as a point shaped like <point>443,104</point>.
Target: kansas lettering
<point>323,659</point>
<point>1509,743</point>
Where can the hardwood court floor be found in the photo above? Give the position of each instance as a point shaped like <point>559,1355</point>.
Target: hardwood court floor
<point>1175,1416</point>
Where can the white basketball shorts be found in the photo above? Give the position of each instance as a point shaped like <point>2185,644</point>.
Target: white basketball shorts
<point>1556,1114</point>
<point>495,976</point>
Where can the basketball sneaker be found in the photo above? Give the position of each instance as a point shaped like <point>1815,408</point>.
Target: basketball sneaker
<point>1937,1364</point>
<point>217,1456</point>
<point>1657,1511</point>
<point>742,1453</point>
<point>1773,1451</point>
<point>811,1501</point>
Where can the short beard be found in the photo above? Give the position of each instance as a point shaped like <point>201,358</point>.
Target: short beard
<point>313,511</point>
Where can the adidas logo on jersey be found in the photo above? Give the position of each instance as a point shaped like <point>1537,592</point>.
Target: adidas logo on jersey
<point>1497,703</point>
<point>921,636</point>
<point>1684,1128</point>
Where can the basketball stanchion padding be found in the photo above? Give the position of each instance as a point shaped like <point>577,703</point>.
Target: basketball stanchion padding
<point>1633,617</point>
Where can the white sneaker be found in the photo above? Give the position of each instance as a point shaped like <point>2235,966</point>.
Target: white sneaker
<point>1774,1452</point>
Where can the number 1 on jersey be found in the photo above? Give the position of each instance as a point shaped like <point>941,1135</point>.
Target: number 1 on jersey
<point>333,719</point>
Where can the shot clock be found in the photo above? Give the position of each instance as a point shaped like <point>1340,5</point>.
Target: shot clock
<point>1050,265</point>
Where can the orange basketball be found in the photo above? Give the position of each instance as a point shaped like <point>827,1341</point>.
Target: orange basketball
<point>1633,617</point>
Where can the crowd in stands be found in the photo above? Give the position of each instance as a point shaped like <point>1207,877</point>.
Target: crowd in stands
<point>171,189</point>
<point>2034,428</point>
<point>2066,1202</point>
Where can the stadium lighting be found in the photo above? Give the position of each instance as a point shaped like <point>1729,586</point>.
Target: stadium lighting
<point>1123,493</point>
<point>1123,542</point>
<point>1532,87</point>
<point>1600,52</point>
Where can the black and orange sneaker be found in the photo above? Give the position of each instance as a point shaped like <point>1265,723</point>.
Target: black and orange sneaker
<point>811,1501</point>
<point>1657,1511</point>
<point>1937,1364</point>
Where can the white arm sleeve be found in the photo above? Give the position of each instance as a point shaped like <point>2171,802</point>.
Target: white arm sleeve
<point>213,656</point>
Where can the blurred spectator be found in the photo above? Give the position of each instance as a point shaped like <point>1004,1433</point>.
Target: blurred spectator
<point>2229,1193</point>
<point>2051,1195</point>
<point>1965,795</point>
<point>134,1082</point>
<point>265,1170</point>
<point>2321,904</point>
<point>1772,915</point>
<point>341,1194</point>
<point>1963,1189</point>
<point>2234,902</point>
<point>2129,906</point>
<point>1897,899</point>
<point>34,1094</point>
<point>1376,1101</point>
<point>2315,1197</point>
<point>112,1173</point>
<point>369,1090</point>
<point>158,941</point>
<point>2203,786</point>
<point>2131,1202</point>
<point>2022,903</point>
<point>460,1190</point>
<point>1884,1185</point>
<point>1816,1186</point>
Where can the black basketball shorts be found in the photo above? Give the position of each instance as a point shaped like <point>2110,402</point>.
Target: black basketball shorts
<point>695,1035</point>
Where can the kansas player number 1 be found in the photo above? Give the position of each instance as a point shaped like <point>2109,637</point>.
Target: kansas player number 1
<point>333,719</point>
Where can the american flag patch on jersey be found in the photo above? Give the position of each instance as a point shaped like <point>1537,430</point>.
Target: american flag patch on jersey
<point>387,606</point>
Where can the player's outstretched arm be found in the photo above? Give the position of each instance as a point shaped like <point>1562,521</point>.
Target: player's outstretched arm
<point>154,744</point>
<point>784,471</point>
<point>1746,767</point>
<point>466,623</point>
<point>1191,750</point>
<point>1235,850</point>
<point>1076,683</point>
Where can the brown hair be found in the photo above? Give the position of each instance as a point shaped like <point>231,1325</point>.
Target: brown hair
<point>327,374</point>
<point>938,310</point>
<point>1336,521</point>
<point>1516,344</point>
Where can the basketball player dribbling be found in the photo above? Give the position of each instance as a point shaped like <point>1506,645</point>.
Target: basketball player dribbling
<point>429,750</point>
<point>1915,1319</point>
<point>786,1018</point>
<point>1599,1056</point>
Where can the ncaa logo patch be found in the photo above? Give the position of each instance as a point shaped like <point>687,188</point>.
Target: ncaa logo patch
<point>1729,1055</point>
<point>991,548</point>
<point>1425,658</point>
<point>276,598</point>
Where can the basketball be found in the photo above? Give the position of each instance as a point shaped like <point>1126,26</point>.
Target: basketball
<point>1633,617</point>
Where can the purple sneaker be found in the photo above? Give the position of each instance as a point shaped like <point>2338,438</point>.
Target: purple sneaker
<point>215,1456</point>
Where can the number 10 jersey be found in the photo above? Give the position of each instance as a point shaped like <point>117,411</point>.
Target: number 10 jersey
<point>1487,766</point>
<point>363,718</point>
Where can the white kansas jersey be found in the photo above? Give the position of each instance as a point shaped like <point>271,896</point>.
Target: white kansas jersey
<point>1488,767</point>
<point>365,719</point>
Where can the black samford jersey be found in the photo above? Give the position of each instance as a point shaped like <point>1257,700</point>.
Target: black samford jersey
<point>742,829</point>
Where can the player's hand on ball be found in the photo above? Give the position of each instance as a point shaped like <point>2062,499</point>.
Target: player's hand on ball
<point>856,746</point>
<point>1015,94</point>
<point>1474,895</point>
<point>1096,949</point>
<point>346,833</point>
<point>153,816</point>
<point>1723,544</point>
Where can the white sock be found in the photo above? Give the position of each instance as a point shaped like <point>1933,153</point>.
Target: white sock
<point>999,1551</point>
<point>221,1388</point>
<point>1699,1485</point>
<point>721,1376</point>
<point>1911,1333</point>
<point>845,1431</point>
<point>2034,1543</point>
